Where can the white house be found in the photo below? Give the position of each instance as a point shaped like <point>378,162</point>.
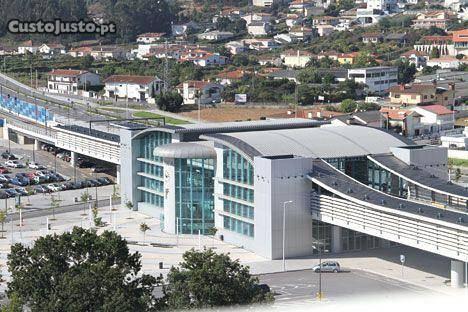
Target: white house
<point>108,53</point>
<point>236,47</point>
<point>257,17</point>
<point>203,92</point>
<point>382,5</point>
<point>446,62</point>
<point>258,28</point>
<point>261,44</point>
<point>215,35</point>
<point>436,117</point>
<point>52,49</point>
<point>377,79</point>
<point>28,47</point>
<point>296,58</point>
<point>137,88</point>
<point>147,38</point>
<point>264,3</point>
<point>456,140</point>
<point>183,29</point>
<point>324,30</point>
<point>69,81</point>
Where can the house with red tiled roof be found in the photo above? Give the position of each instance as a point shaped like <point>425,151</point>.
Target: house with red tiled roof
<point>228,77</point>
<point>200,92</point>
<point>374,37</point>
<point>403,121</point>
<point>436,117</point>
<point>136,88</point>
<point>418,58</point>
<point>422,94</point>
<point>203,58</point>
<point>70,81</point>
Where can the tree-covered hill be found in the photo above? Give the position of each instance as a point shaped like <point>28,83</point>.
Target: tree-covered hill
<point>131,17</point>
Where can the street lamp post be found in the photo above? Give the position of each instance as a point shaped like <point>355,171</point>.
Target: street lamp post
<point>319,294</point>
<point>284,232</point>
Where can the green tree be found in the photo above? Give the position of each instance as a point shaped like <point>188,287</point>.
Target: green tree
<point>86,62</point>
<point>206,279</point>
<point>406,71</point>
<point>129,206</point>
<point>81,271</point>
<point>85,197</point>
<point>143,228</point>
<point>348,106</point>
<point>170,101</point>
<point>435,53</point>
<point>96,218</point>
<point>457,174</point>
<point>14,304</point>
<point>54,204</point>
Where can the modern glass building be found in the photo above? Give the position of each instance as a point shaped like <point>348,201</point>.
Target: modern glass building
<point>321,187</point>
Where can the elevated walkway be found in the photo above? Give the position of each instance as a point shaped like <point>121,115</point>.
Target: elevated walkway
<point>340,200</point>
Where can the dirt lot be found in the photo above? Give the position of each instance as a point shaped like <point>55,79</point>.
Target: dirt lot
<point>232,113</point>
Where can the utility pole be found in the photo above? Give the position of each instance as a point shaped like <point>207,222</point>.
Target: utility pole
<point>166,68</point>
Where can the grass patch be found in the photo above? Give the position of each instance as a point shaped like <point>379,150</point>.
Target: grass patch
<point>169,120</point>
<point>458,162</point>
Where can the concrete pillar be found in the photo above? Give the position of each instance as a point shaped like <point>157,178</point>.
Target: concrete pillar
<point>73,159</point>
<point>337,239</point>
<point>37,145</point>
<point>21,139</point>
<point>118,175</point>
<point>456,274</point>
<point>5,130</point>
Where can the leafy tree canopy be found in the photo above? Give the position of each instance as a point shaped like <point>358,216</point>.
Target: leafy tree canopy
<point>79,270</point>
<point>205,279</point>
<point>170,101</point>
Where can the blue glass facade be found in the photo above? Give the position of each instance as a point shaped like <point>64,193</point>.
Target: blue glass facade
<point>194,187</point>
<point>238,175</point>
<point>151,168</point>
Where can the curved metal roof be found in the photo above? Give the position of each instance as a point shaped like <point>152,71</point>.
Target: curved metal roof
<point>194,150</point>
<point>323,142</point>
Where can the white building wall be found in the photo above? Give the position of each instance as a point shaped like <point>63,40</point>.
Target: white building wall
<point>277,181</point>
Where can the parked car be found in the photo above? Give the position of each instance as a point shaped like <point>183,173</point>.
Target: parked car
<point>22,191</point>
<point>36,166</point>
<point>327,266</point>
<point>104,181</point>
<point>3,179</point>
<point>8,155</point>
<point>54,187</point>
<point>40,189</point>
<point>14,164</point>
<point>3,169</point>
<point>4,195</point>
<point>100,169</point>
<point>12,192</point>
<point>86,164</point>
<point>39,179</point>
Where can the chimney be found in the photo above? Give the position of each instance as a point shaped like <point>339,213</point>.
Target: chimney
<point>402,87</point>
<point>451,86</point>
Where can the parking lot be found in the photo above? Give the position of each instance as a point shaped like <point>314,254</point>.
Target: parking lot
<point>25,171</point>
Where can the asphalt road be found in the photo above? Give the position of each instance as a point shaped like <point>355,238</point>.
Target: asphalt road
<point>303,285</point>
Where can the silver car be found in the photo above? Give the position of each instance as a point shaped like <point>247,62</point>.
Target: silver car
<point>327,266</point>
